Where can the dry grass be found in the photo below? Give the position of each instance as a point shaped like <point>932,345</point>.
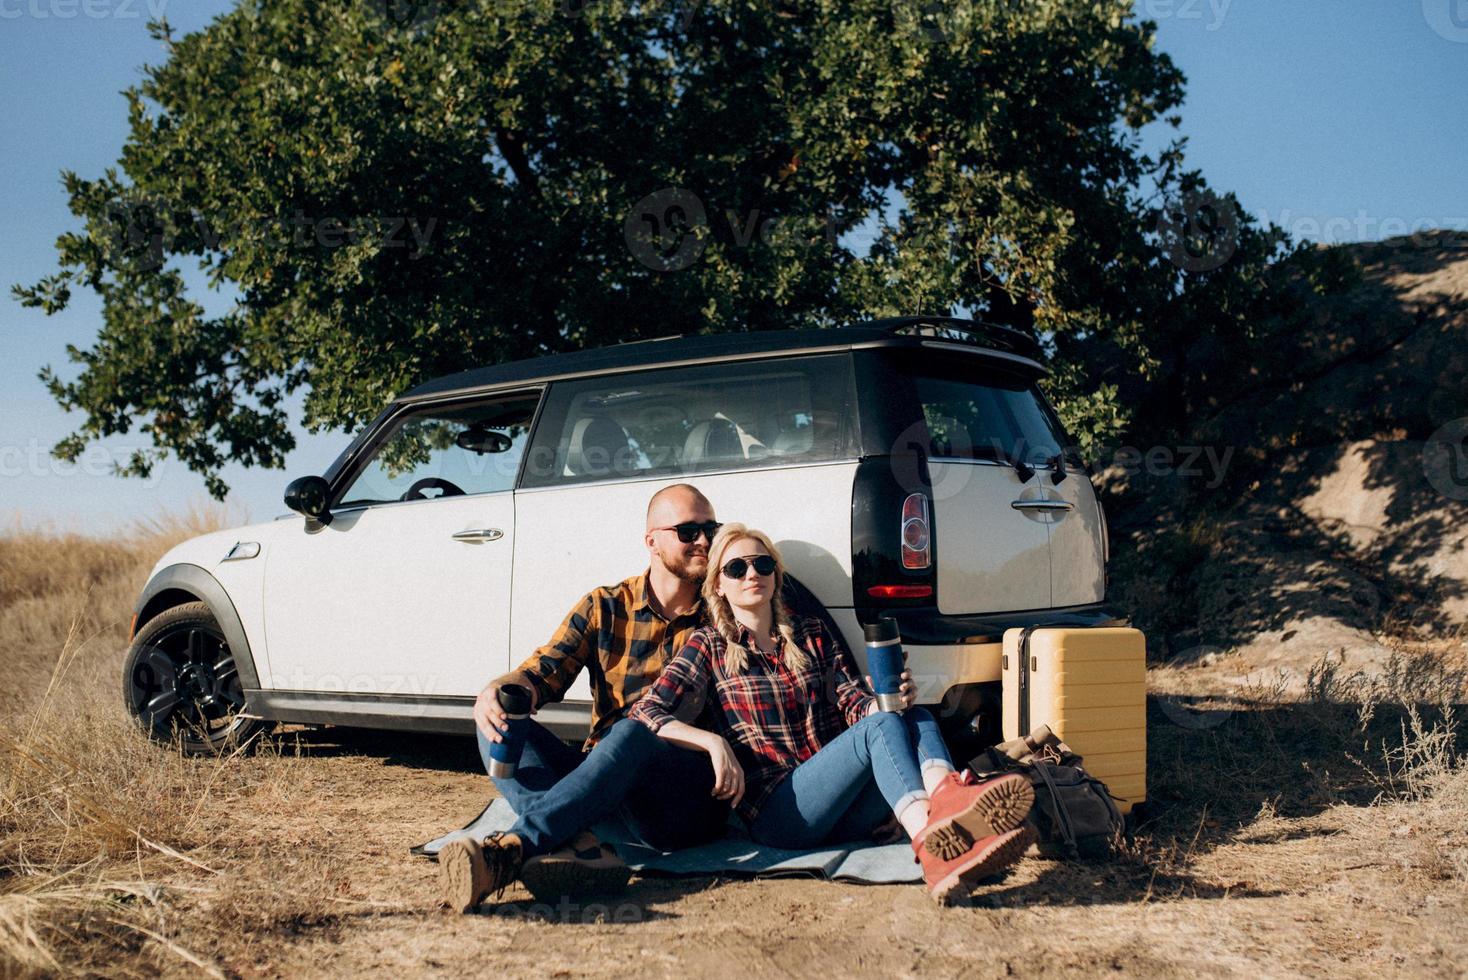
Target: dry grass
<point>99,829</point>
<point>119,857</point>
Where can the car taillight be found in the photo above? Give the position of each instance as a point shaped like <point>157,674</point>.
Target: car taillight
<point>917,538</point>
<point>900,591</point>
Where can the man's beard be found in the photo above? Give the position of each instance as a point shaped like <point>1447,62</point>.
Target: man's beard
<point>682,568</point>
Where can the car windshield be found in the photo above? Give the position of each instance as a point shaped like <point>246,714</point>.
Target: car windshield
<point>469,449</point>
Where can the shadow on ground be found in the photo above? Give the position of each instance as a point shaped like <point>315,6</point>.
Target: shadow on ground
<point>442,753</point>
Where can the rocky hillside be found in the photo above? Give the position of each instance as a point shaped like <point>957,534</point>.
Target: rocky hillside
<point>1344,527</point>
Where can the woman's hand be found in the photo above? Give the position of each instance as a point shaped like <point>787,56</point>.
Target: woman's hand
<point>907,689</point>
<point>728,774</point>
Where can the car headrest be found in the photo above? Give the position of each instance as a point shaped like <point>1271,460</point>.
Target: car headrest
<point>712,441</point>
<point>599,446</point>
<point>793,442</point>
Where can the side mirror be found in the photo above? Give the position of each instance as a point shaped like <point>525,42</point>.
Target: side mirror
<point>310,496</point>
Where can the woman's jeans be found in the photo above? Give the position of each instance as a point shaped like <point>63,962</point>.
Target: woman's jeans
<point>854,784</point>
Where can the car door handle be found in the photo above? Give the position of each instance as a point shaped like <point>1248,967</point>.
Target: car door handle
<point>479,534</point>
<point>1042,505</point>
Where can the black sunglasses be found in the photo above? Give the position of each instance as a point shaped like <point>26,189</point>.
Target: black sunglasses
<point>736,567</point>
<point>689,531</point>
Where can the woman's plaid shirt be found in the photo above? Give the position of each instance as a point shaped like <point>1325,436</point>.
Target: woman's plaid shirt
<point>615,633</point>
<point>773,718</point>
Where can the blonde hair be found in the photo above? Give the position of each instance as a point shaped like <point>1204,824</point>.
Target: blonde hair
<point>721,616</point>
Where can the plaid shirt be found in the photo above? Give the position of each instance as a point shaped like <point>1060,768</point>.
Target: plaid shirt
<point>616,633</point>
<point>774,719</point>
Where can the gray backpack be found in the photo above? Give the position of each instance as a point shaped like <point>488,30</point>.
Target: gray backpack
<point>1074,814</point>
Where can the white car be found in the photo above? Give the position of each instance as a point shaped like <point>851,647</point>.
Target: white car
<point>907,468</point>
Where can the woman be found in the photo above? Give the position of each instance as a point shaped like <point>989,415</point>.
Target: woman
<point>798,744</point>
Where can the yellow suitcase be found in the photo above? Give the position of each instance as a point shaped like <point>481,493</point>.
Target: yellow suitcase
<point>1090,687</point>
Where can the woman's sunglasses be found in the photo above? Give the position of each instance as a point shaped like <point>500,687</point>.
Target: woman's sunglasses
<point>736,567</point>
<point>689,531</point>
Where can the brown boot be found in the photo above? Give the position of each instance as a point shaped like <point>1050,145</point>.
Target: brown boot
<point>954,879</point>
<point>467,871</point>
<point>964,809</point>
<point>585,866</point>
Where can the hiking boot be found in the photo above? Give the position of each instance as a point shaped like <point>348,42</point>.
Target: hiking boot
<point>467,871</point>
<point>585,866</point>
<point>952,880</point>
<point>964,809</point>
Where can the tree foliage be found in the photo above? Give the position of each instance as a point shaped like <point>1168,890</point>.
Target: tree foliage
<point>389,191</point>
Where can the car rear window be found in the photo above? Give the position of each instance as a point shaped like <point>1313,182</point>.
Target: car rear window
<point>971,411</point>
<point>707,418</point>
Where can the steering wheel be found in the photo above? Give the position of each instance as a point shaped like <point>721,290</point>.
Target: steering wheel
<point>415,492</point>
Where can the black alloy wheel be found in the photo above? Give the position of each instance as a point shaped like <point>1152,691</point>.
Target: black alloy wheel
<point>181,684</point>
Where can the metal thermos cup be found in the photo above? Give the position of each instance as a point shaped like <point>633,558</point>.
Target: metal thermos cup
<point>885,662</point>
<point>504,755</point>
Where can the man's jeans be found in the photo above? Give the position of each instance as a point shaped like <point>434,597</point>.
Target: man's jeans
<point>854,784</point>
<point>662,792</point>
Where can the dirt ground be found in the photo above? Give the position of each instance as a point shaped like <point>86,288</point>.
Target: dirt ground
<point>1347,891</point>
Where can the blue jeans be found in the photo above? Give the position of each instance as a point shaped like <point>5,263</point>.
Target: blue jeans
<point>664,794</point>
<point>861,778</point>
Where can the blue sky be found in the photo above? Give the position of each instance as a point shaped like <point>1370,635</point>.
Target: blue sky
<point>1341,120</point>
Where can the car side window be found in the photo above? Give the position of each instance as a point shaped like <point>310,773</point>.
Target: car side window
<point>446,451</point>
<point>683,421</point>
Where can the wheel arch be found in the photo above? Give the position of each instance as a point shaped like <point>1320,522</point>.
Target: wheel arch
<point>181,583</point>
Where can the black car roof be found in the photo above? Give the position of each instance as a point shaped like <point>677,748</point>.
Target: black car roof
<point>1006,342</point>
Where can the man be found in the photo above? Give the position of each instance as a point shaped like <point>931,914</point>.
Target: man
<point>626,634</point>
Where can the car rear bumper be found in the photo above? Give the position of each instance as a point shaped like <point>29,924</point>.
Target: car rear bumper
<point>945,652</point>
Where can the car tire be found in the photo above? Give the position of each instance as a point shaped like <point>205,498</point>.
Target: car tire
<point>181,686</point>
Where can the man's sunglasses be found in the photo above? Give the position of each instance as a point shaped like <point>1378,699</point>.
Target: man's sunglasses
<point>736,567</point>
<point>689,531</point>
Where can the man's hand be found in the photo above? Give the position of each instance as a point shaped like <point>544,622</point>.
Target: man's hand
<point>728,774</point>
<point>908,691</point>
<point>489,717</point>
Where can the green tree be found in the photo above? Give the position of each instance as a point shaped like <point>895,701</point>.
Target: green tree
<point>390,191</point>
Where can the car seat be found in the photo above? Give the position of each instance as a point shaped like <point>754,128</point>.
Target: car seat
<point>599,447</point>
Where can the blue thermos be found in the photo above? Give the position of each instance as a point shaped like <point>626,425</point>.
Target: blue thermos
<point>885,662</point>
<point>504,755</point>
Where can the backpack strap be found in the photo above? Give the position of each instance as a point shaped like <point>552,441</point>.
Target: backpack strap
<point>1058,810</point>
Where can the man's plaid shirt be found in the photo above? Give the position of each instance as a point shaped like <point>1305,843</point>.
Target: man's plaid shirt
<point>774,719</point>
<point>616,633</point>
